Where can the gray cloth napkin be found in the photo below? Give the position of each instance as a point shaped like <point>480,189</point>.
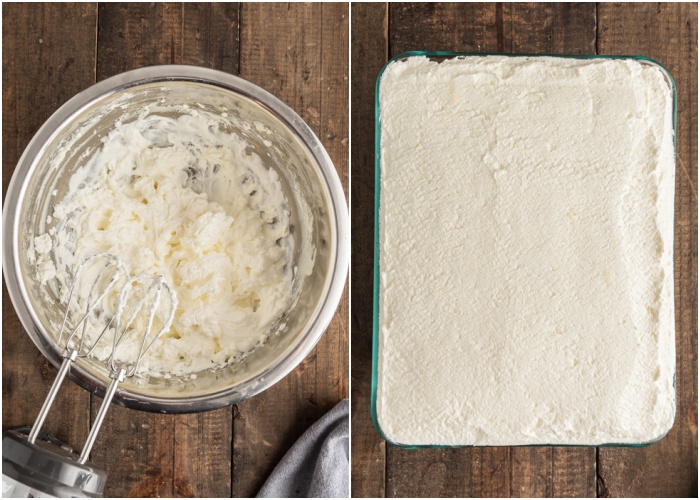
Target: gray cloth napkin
<point>317,465</point>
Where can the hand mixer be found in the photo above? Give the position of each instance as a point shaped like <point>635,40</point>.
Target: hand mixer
<point>35,463</point>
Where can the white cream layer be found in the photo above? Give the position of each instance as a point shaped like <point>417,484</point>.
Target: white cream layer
<point>526,232</point>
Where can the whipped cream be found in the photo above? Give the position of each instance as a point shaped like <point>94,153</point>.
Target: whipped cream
<point>183,197</point>
<point>526,252</point>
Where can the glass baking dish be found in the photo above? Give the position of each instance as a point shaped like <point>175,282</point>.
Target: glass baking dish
<point>440,56</point>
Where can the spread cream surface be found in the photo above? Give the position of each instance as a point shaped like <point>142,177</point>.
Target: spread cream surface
<point>526,252</point>
<point>182,197</point>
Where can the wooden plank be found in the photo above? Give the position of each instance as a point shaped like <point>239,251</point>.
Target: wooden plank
<point>573,472</point>
<point>294,66</point>
<point>438,472</point>
<point>369,53</point>
<point>549,28</point>
<point>136,449</point>
<point>535,471</point>
<point>203,454</point>
<point>132,35</point>
<point>210,39</point>
<point>334,135</point>
<point>48,56</point>
<point>458,472</point>
<point>138,446</point>
<point>210,35</point>
<point>162,457</point>
<point>561,28</point>
<point>667,33</point>
<point>469,27</point>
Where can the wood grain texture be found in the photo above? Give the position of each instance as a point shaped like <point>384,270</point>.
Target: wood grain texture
<point>546,28</point>
<point>468,27</point>
<point>151,454</point>
<point>132,35</point>
<point>667,33</point>
<point>210,35</point>
<point>203,454</point>
<point>334,133</point>
<point>48,55</point>
<point>136,449</point>
<point>369,53</point>
<point>302,64</point>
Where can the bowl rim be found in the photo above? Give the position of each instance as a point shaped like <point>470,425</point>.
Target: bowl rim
<point>338,216</point>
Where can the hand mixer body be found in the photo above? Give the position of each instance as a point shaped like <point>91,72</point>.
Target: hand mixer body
<point>39,464</point>
<point>46,467</point>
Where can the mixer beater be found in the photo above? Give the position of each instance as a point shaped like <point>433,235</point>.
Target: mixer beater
<point>39,464</point>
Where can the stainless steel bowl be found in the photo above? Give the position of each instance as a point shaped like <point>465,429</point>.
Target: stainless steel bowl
<point>285,143</point>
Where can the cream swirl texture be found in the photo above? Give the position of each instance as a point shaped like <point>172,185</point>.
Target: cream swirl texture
<point>526,251</point>
<point>183,197</point>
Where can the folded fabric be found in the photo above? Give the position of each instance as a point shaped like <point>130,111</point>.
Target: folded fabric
<point>317,465</point>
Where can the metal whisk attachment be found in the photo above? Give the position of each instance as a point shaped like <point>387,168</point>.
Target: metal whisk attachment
<point>138,302</point>
<point>152,289</point>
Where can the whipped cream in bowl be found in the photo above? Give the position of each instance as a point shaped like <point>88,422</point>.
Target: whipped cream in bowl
<point>205,179</point>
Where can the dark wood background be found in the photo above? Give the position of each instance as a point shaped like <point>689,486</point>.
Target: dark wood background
<point>665,32</point>
<point>297,52</point>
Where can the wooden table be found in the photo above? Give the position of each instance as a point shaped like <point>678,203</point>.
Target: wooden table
<point>665,32</point>
<point>297,52</point>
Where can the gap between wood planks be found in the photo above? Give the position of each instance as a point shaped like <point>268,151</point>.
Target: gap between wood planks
<point>235,413</point>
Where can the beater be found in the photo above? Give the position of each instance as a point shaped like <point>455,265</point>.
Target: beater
<point>34,466</point>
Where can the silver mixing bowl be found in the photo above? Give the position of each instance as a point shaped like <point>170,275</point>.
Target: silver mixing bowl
<point>285,143</point>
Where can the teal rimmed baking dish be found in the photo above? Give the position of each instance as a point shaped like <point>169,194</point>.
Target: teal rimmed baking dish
<point>375,386</point>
